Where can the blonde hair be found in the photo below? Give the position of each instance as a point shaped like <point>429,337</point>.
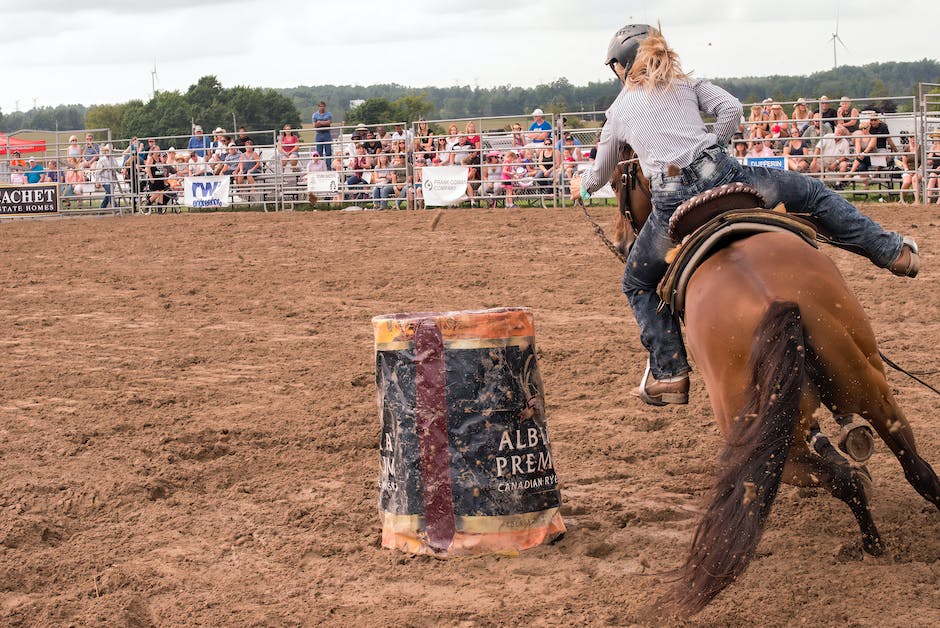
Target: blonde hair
<point>656,65</point>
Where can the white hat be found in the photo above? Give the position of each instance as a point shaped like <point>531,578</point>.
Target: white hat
<point>537,112</point>
<point>218,130</point>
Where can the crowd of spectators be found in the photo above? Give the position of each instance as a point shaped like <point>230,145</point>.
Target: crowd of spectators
<point>385,167</point>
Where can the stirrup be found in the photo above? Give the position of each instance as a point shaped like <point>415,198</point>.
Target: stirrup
<point>666,398</point>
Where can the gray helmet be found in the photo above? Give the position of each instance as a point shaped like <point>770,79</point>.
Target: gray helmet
<point>625,43</point>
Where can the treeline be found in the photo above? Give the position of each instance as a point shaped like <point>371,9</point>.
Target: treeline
<point>875,80</point>
<point>209,104</point>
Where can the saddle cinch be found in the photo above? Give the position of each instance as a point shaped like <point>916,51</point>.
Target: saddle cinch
<point>709,221</point>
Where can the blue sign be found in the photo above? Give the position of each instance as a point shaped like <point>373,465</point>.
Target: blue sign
<point>777,163</point>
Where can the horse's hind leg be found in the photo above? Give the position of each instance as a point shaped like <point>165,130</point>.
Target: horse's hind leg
<point>805,469</point>
<point>895,431</point>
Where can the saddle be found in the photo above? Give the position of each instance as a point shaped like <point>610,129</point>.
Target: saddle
<point>711,220</point>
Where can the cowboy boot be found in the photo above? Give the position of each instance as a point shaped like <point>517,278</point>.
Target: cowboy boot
<point>661,393</point>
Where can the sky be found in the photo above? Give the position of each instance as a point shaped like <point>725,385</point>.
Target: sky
<point>105,51</point>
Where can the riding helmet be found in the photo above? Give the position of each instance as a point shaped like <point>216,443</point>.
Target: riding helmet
<point>625,43</point>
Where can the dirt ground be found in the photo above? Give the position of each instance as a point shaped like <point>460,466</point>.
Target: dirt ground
<point>189,430</point>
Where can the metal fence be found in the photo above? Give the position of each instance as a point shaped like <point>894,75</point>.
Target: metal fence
<point>867,156</point>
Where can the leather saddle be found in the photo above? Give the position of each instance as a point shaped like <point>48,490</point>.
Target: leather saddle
<point>709,221</point>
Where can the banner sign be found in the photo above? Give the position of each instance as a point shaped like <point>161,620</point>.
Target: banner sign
<point>323,182</point>
<point>206,192</point>
<point>444,185</point>
<point>776,163</point>
<point>29,200</point>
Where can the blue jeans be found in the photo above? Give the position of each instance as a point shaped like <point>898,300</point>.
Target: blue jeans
<point>107,195</point>
<point>659,331</point>
<point>324,148</point>
<point>382,191</point>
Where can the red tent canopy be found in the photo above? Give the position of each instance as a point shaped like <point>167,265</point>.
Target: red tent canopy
<point>10,144</point>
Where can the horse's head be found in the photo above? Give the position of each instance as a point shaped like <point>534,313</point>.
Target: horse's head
<point>633,197</point>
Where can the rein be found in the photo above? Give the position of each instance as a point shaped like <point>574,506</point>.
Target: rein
<point>908,373</point>
<point>599,231</point>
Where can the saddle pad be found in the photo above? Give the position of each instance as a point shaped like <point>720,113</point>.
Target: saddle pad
<point>701,208</point>
<point>713,235</point>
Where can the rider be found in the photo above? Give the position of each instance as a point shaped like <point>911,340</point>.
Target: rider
<point>658,113</point>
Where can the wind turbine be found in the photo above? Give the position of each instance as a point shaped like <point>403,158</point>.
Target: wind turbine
<point>835,38</point>
<point>153,79</point>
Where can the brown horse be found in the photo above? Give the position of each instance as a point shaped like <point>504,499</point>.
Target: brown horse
<point>775,332</point>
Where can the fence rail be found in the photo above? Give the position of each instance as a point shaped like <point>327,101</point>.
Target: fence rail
<point>867,155</point>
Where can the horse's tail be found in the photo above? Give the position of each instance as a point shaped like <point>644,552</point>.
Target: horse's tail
<point>751,464</point>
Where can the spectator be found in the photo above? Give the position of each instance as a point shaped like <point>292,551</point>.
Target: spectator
<point>249,165</point>
<point>567,139</point>
<point>372,143</point>
<point>242,139</point>
<point>73,178</point>
<point>879,142</point>
<point>492,176</point>
<point>106,169</point>
<point>813,131</point>
<point>424,142</point>
<point>778,117</point>
<point>383,137</point>
<point>34,171</point>
<point>384,179</point>
<point>827,115</point>
<point>910,164</point>
<point>51,174</point>
<point>323,137</point>
<point>545,165</point>
<point>846,114</point>
<point>740,150</point>
<point>757,122</point>
<point>314,165</point>
<point>74,152</point>
<point>198,166</point>
<point>358,166</point>
<point>460,152</point>
<point>832,152</point>
<point>290,143</point>
<point>198,142</point>
<point>400,134</point>
<point>795,152</point>
<point>219,145</point>
<point>540,130</point>
<point>761,147</point>
<point>510,174</point>
<point>157,174</point>
<point>933,168</point>
<point>230,162</point>
<point>472,136</point>
<point>414,189</point>
<point>518,139</point>
<point>442,152</point>
<point>453,136</point>
<point>801,118</point>
<point>90,152</point>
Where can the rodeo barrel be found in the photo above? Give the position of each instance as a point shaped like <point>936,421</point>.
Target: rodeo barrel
<point>466,463</point>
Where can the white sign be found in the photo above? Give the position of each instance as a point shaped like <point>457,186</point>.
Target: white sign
<point>605,192</point>
<point>444,185</point>
<point>323,182</point>
<point>206,192</point>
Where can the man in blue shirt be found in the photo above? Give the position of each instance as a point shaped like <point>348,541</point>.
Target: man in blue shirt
<point>198,143</point>
<point>322,119</point>
<point>540,131</point>
<point>34,171</point>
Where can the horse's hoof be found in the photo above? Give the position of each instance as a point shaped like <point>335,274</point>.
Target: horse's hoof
<point>873,547</point>
<point>856,439</point>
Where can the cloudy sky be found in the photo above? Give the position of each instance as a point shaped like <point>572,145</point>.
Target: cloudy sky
<point>104,51</point>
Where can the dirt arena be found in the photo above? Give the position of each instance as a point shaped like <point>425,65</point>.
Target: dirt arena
<point>189,431</point>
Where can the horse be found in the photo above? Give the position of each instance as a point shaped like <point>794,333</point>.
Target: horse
<point>775,331</point>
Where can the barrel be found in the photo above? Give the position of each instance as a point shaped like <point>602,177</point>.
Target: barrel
<point>466,462</point>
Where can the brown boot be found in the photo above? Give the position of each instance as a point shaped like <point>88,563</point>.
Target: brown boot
<point>658,393</point>
<point>908,262</point>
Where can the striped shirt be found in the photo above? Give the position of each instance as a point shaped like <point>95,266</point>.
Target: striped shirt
<point>664,126</point>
